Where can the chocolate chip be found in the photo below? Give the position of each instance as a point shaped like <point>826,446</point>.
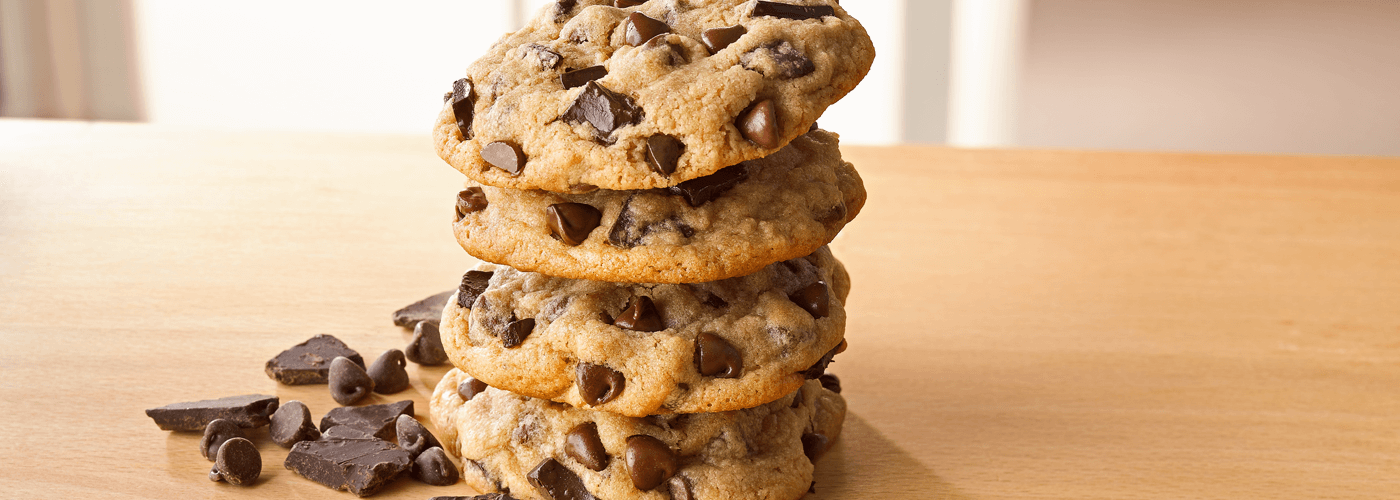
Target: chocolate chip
<point>799,398</point>
<point>760,124</point>
<point>562,8</point>
<point>349,383</point>
<point>649,462</point>
<point>633,226</point>
<point>716,39</point>
<point>389,373</point>
<point>429,309</point>
<point>463,106</point>
<point>359,466</point>
<point>426,347</point>
<point>247,411</point>
<point>814,444</point>
<point>470,200</point>
<point>238,463</point>
<point>516,332</point>
<point>715,357</point>
<point>218,431</point>
<point>505,156</point>
<point>664,153</point>
<point>598,384</point>
<point>291,424</point>
<point>715,301</point>
<point>474,283</point>
<point>830,382</point>
<point>813,299</point>
<point>604,109</point>
<point>779,59</point>
<point>818,368</point>
<point>641,28</point>
<point>556,482</point>
<point>675,54</point>
<point>789,11</point>
<point>812,128</point>
<point>578,77</point>
<point>378,420</point>
<point>310,362</point>
<point>583,444</point>
<point>546,58</point>
<point>469,388</point>
<point>700,191</point>
<point>434,468</point>
<point>641,315</point>
<point>622,4</point>
<point>833,215</point>
<point>572,222</point>
<point>412,436</point>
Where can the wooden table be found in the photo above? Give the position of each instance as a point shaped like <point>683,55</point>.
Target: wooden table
<point>1024,324</point>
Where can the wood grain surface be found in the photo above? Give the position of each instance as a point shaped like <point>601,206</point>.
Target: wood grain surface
<point>1023,324</point>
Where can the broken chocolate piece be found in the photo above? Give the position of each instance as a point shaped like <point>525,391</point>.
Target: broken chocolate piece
<point>516,331</point>
<point>641,28</point>
<point>344,432</point>
<point>715,301</point>
<point>583,444</point>
<point>218,431</point>
<point>426,347</point>
<point>760,124</point>
<point>469,388</point>
<point>664,153</point>
<point>702,190</point>
<point>291,424</point>
<point>546,58</point>
<point>818,368</point>
<point>413,437</point>
<point>716,357</point>
<point>359,466</point>
<point>814,444</point>
<point>578,77</point>
<point>572,222</point>
<point>633,226</point>
<point>310,362</point>
<point>463,106</point>
<point>474,284</point>
<point>622,4</point>
<point>349,382</point>
<point>433,467</point>
<point>557,482</point>
<point>814,299</point>
<point>248,411</point>
<point>641,315</point>
<point>716,39</point>
<point>779,59</point>
<point>649,462</point>
<point>505,156</point>
<point>789,11</point>
<point>429,309</point>
<point>378,420</point>
<point>238,463</point>
<point>598,384</point>
<point>469,200</point>
<point>604,109</point>
<point>830,382</point>
<point>389,373</point>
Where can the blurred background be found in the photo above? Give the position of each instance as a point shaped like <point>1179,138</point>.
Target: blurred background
<point>1258,76</point>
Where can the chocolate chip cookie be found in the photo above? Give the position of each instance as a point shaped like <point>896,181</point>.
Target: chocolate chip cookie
<point>644,349</point>
<point>589,95</point>
<point>536,449</point>
<point>730,223</point>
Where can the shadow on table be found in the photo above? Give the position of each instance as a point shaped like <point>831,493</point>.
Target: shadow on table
<point>866,464</point>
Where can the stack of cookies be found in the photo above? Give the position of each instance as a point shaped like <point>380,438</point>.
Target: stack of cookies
<point>652,198</point>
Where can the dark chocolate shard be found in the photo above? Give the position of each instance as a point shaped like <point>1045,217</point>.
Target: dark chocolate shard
<point>759,124</point>
<point>716,357</point>
<point>344,432</point>
<point>650,462</point>
<point>700,191</point>
<point>252,410</point>
<point>359,466</point>
<point>641,28</point>
<point>790,11</point>
<point>818,368</point>
<point>583,444</point>
<point>603,109</point>
<point>215,434</point>
<point>434,468</point>
<point>470,387</point>
<point>578,77</point>
<point>641,315</point>
<point>814,299</point>
<point>622,4</point>
<point>557,482</point>
<point>716,39</point>
<point>463,106</point>
<point>238,463</point>
<point>292,424</point>
<point>349,383</point>
<point>830,382</point>
<point>516,332</point>
<point>310,362</point>
<point>378,420</point>
<point>413,437</point>
<point>571,223</point>
<point>777,59</point>
<point>474,284</point>
<point>429,309</point>
<point>664,153</point>
<point>469,200</point>
<point>389,372</point>
<point>814,444</point>
<point>505,156</point>
<point>547,59</point>
<point>598,384</point>
<point>426,347</point>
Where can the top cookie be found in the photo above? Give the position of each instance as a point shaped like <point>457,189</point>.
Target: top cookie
<point>592,96</point>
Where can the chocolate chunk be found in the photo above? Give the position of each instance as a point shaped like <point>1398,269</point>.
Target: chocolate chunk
<point>715,357</point>
<point>469,388</point>
<point>814,444</point>
<point>310,362</point>
<point>546,58</point>
<point>818,368</point>
<point>291,424</point>
<point>426,347</point>
<point>700,191</point>
<point>556,482</point>
<point>633,226</point>
<point>562,9</point>
<point>247,411</point>
<point>680,488</point>
<point>641,28</point>
<point>789,11</point>
<point>389,373</point>
<point>359,466</point>
<point>429,309</point>
<point>622,4</point>
<point>463,106</point>
<point>349,383</point>
<point>505,156</point>
<point>760,124</point>
<point>413,437</point>
<point>664,153</point>
<point>572,222</point>
<point>583,444</point>
<point>813,299</point>
<point>218,431</point>
<point>578,77</point>
<point>378,420</point>
<point>649,462</point>
<point>474,284</point>
<point>604,109</point>
<point>598,384</point>
<point>830,382</point>
<point>715,301</point>
<point>344,432</point>
<point>641,315</point>
<point>238,463</point>
<point>779,59</point>
<point>833,215</point>
<point>716,39</point>
<point>516,331</point>
<point>433,467</point>
<point>812,128</point>
<point>470,200</point>
<point>799,398</point>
